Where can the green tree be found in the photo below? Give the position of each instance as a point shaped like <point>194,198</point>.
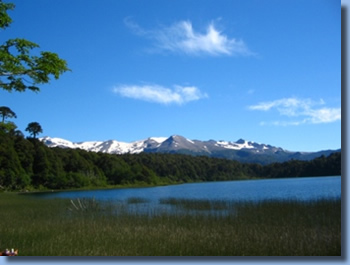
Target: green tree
<point>6,112</point>
<point>25,151</point>
<point>19,69</point>
<point>12,175</point>
<point>8,127</point>
<point>34,128</point>
<point>5,19</point>
<point>41,166</point>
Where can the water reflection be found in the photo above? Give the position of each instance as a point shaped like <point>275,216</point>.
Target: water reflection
<point>210,196</point>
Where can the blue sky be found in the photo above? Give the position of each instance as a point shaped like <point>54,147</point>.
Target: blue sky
<point>266,71</point>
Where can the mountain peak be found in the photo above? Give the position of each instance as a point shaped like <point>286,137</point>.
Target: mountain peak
<point>241,141</point>
<point>157,139</point>
<point>176,137</point>
<point>242,150</point>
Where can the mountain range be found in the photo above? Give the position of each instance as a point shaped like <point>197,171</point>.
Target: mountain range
<point>241,150</point>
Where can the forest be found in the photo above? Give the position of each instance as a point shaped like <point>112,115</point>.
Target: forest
<point>27,164</point>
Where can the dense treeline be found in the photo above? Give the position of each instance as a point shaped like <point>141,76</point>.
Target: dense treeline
<point>26,163</point>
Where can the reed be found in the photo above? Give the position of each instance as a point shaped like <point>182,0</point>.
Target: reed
<point>135,200</point>
<point>197,204</point>
<point>52,227</point>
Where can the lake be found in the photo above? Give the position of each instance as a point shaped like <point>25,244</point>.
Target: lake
<point>305,189</point>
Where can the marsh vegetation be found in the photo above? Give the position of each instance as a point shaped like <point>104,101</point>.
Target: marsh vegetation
<point>195,227</point>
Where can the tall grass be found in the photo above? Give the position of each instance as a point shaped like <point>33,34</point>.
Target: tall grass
<point>56,227</point>
<point>135,200</point>
<point>197,204</point>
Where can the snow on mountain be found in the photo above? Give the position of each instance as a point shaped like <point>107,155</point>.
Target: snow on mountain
<point>110,146</point>
<point>235,145</point>
<point>241,150</point>
<point>58,142</point>
<point>158,139</point>
<point>154,144</point>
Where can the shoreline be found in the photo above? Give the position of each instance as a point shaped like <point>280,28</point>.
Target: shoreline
<point>110,187</point>
<point>141,185</point>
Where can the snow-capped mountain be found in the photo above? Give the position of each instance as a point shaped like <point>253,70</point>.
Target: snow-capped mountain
<point>110,146</point>
<point>241,150</point>
<point>158,144</point>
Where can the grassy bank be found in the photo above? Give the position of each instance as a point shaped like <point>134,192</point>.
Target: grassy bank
<point>57,227</point>
<point>139,184</point>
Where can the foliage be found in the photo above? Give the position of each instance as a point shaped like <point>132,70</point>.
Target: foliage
<point>34,128</point>
<point>321,166</point>
<point>24,163</point>
<point>6,112</point>
<point>5,19</point>
<point>20,68</point>
<point>28,163</point>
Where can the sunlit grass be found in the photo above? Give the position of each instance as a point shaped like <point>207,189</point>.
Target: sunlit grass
<point>55,227</point>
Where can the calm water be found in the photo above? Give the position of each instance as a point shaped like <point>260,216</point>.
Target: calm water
<point>253,190</point>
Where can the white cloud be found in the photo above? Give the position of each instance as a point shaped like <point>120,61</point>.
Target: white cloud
<point>182,38</point>
<point>159,94</point>
<point>305,111</point>
<point>325,115</point>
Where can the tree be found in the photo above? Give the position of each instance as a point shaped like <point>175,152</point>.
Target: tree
<point>19,70</point>
<point>34,128</point>
<point>6,112</point>
<point>12,175</point>
<point>8,127</point>
<point>5,19</point>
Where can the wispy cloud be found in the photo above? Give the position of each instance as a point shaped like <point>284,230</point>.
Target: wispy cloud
<point>159,94</point>
<point>299,111</point>
<point>182,38</point>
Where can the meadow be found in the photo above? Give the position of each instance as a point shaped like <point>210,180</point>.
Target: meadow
<point>81,227</point>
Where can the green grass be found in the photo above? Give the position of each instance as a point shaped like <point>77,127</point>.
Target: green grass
<point>55,227</point>
<point>197,204</point>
